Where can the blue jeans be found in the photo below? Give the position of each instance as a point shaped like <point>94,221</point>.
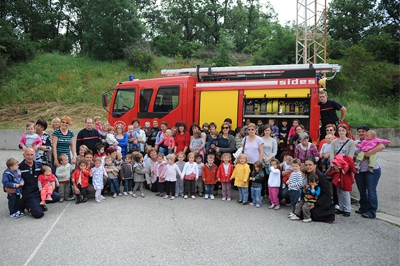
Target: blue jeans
<point>162,150</point>
<point>134,146</point>
<point>243,194</point>
<point>366,184</point>
<point>114,186</point>
<point>294,198</point>
<point>128,185</point>
<point>325,161</point>
<point>209,189</point>
<point>256,195</point>
<point>13,202</point>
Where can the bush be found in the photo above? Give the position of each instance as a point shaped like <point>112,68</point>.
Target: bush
<point>140,58</point>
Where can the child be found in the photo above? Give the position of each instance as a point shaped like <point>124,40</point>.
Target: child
<point>12,179</point>
<point>199,183</point>
<point>63,174</point>
<point>224,174</point>
<point>111,140</point>
<point>190,175</point>
<point>30,139</point>
<point>127,174</point>
<point>283,134</point>
<point>259,124</point>
<point>112,172</point>
<point>159,172</point>
<point>209,176</point>
<point>100,151</point>
<point>46,184</point>
<point>241,176</point>
<point>257,176</point>
<point>370,142</point>
<point>138,176</point>
<point>118,160</point>
<point>133,143</point>
<point>212,143</point>
<point>197,143</point>
<point>168,141</point>
<point>286,167</point>
<point>80,181</point>
<point>294,183</point>
<point>98,173</point>
<point>170,176</point>
<point>179,183</point>
<point>274,182</point>
<point>274,129</point>
<point>325,152</point>
<point>311,193</point>
<point>292,134</point>
<point>97,126</point>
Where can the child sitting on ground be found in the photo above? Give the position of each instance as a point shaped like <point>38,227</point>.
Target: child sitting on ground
<point>311,193</point>
<point>12,179</point>
<point>370,142</point>
<point>46,184</point>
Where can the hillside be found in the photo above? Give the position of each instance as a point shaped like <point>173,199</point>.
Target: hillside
<point>55,85</point>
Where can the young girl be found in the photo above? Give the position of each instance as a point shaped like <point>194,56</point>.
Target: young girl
<point>30,139</point>
<point>168,141</point>
<point>209,176</point>
<point>274,182</point>
<point>197,143</point>
<point>292,134</point>
<point>98,173</point>
<point>100,152</point>
<point>257,176</point>
<point>80,181</point>
<point>241,176</point>
<point>224,174</point>
<point>190,175</point>
<point>126,174</point>
<point>46,183</point>
<point>159,172</point>
<point>179,183</point>
<point>138,176</point>
<point>170,176</point>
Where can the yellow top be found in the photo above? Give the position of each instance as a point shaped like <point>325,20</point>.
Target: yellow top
<point>241,174</point>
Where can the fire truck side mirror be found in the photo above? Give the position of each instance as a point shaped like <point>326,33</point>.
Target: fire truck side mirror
<point>105,100</point>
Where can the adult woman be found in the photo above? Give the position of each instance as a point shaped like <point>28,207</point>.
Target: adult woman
<point>122,139</point>
<point>323,209</point>
<point>344,146</point>
<point>270,148</point>
<point>182,138</point>
<point>329,129</point>
<point>63,141</point>
<point>253,146</point>
<point>152,153</point>
<point>367,181</point>
<point>226,142</point>
<point>305,149</point>
<point>141,135</point>
<point>44,150</point>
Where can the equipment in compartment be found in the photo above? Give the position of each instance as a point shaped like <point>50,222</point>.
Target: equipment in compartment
<point>277,107</point>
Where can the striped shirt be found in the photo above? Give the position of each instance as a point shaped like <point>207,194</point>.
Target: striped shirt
<point>63,142</point>
<point>295,181</point>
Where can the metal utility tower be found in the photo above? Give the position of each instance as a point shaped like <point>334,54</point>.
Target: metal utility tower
<point>311,31</point>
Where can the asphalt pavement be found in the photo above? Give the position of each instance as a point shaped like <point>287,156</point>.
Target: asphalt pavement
<point>157,231</point>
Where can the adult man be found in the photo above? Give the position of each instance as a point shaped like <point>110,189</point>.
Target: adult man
<point>328,112</point>
<point>30,191</point>
<point>88,136</point>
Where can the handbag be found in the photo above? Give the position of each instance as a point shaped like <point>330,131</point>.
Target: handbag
<point>244,144</point>
<point>191,176</point>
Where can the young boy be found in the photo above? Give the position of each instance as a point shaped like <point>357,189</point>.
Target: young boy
<point>199,183</point>
<point>112,172</point>
<point>274,129</point>
<point>132,139</point>
<point>179,183</point>
<point>212,143</point>
<point>325,152</point>
<point>311,193</point>
<point>12,179</point>
<point>283,134</point>
<point>63,174</point>
<point>209,176</point>
<point>127,171</point>
<point>295,182</point>
<point>80,181</point>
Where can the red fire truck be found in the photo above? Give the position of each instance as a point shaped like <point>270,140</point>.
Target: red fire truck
<point>213,94</point>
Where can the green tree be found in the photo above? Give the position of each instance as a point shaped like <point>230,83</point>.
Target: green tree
<point>224,47</point>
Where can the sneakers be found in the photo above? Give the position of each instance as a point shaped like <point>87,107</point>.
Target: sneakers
<point>142,195</point>
<point>185,197</point>
<point>161,195</point>
<point>251,204</point>
<point>193,197</point>
<point>98,200</point>
<point>115,195</point>
<point>337,207</point>
<point>244,202</point>
<point>272,206</point>
<point>102,198</point>
<point>228,199</point>
<point>277,207</point>
<point>157,194</point>
<point>42,203</point>
<point>120,194</point>
<point>21,214</point>
<point>290,215</point>
<point>223,198</point>
<point>166,197</point>
<point>15,215</point>
<point>258,206</point>
<point>134,196</point>
<point>176,195</point>
<point>307,220</point>
<point>125,193</point>
<point>173,197</point>
<point>130,192</point>
<point>206,196</point>
<point>239,201</point>
<point>295,218</point>
<point>61,200</point>
<point>49,198</point>
<point>212,197</point>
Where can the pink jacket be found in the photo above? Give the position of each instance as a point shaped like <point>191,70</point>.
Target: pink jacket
<point>345,178</point>
<point>292,131</point>
<point>160,168</point>
<point>369,144</point>
<point>37,141</point>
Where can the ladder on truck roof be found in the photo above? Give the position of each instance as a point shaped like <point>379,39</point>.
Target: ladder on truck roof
<point>246,70</point>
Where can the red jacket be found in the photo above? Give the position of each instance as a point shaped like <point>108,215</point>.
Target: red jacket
<point>209,175</point>
<point>221,173</point>
<point>84,178</point>
<point>345,178</point>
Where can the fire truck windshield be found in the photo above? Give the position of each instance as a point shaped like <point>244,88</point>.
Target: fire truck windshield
<point>124,101</point>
